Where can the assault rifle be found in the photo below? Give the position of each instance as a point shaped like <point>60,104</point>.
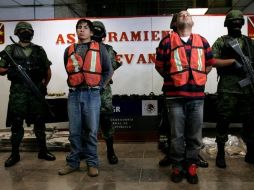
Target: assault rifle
<point>27,80</point>
<point>246,65</point>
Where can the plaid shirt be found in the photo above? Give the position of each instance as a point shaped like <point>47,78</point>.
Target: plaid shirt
<point>189,90</point>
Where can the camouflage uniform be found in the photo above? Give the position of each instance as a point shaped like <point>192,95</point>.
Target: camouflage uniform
<point>19,92</point>
<point>106,100</point>
<point>23,104</point>
<point>106,96</point>
<point>233,100</point>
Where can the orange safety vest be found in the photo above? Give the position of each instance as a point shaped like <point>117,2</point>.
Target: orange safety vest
<point>180,68</point>
<point>86,72</point>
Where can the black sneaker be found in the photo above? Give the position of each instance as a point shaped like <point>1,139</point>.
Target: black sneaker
<point>165,162</point>
<point>177,174</point>
<point>201,162</point>
<point>191,174</point>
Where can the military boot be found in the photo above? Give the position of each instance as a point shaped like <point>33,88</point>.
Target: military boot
<point>43,151</point>
<point>46,155</point>
<point>14,157</point>
<point>220,158</point>
<point>249,157</point>
<point>112,158</point>
<point>16,138</point>
<point>41,141</point>
<point>12,160</point>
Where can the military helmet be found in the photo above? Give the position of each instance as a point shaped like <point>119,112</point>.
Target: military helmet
<point>22,25</point>
<point>99,25</point>
<point>233,15</point>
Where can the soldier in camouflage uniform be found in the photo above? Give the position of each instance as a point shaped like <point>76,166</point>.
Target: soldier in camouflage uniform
<point>23,104</point>
<point>106,96</point>
<point>233,100</point>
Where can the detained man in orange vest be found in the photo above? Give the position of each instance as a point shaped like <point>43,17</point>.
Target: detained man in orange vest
<point>164,124</point>
<point>89,70</point>
<point>183,59</point>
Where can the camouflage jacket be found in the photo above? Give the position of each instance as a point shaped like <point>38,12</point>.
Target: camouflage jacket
<point>112,54</point>
<point>229,76</point>
<point>32,58</point>
<point>106,96</point>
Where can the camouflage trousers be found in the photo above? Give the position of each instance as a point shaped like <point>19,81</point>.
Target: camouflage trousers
<point>106,113</point>
<point>23,105</point>
<point>230,106</point>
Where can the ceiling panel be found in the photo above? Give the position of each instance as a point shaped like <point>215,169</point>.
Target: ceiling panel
<point>122,7</point>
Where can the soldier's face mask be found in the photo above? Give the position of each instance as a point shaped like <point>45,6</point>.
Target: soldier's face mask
<point>98,34</point>
<point>234,27</point>
<point>25,35</point>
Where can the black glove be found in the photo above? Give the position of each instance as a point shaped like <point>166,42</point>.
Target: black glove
<point>237,65</point>
<point>13,74</point>
<point>239,68</point>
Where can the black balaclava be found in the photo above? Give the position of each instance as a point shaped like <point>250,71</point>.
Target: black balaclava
<point>25,35</point>
<point>98,34</point>
<point>234,28</point>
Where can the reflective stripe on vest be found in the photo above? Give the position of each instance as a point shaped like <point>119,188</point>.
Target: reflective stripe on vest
<point>180,68</point>
<point>86,72</point>
<point>92,65</point>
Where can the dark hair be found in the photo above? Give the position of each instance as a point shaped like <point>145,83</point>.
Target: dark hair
<point>173,22</point>
<point>89,23</point>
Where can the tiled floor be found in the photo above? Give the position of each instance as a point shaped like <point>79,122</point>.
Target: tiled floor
<point>137,170</point>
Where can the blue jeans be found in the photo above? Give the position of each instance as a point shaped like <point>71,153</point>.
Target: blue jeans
<point>186,122</point>
<point>84,112</point>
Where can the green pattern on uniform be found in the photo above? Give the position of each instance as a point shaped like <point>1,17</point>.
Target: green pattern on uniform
<point>233,101</point>
<point>22,102</point>
<point>106,100</point>
<point>106,96</point>
<point>229,82</point>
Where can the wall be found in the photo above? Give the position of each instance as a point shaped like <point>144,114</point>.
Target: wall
<point>137,75</point>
